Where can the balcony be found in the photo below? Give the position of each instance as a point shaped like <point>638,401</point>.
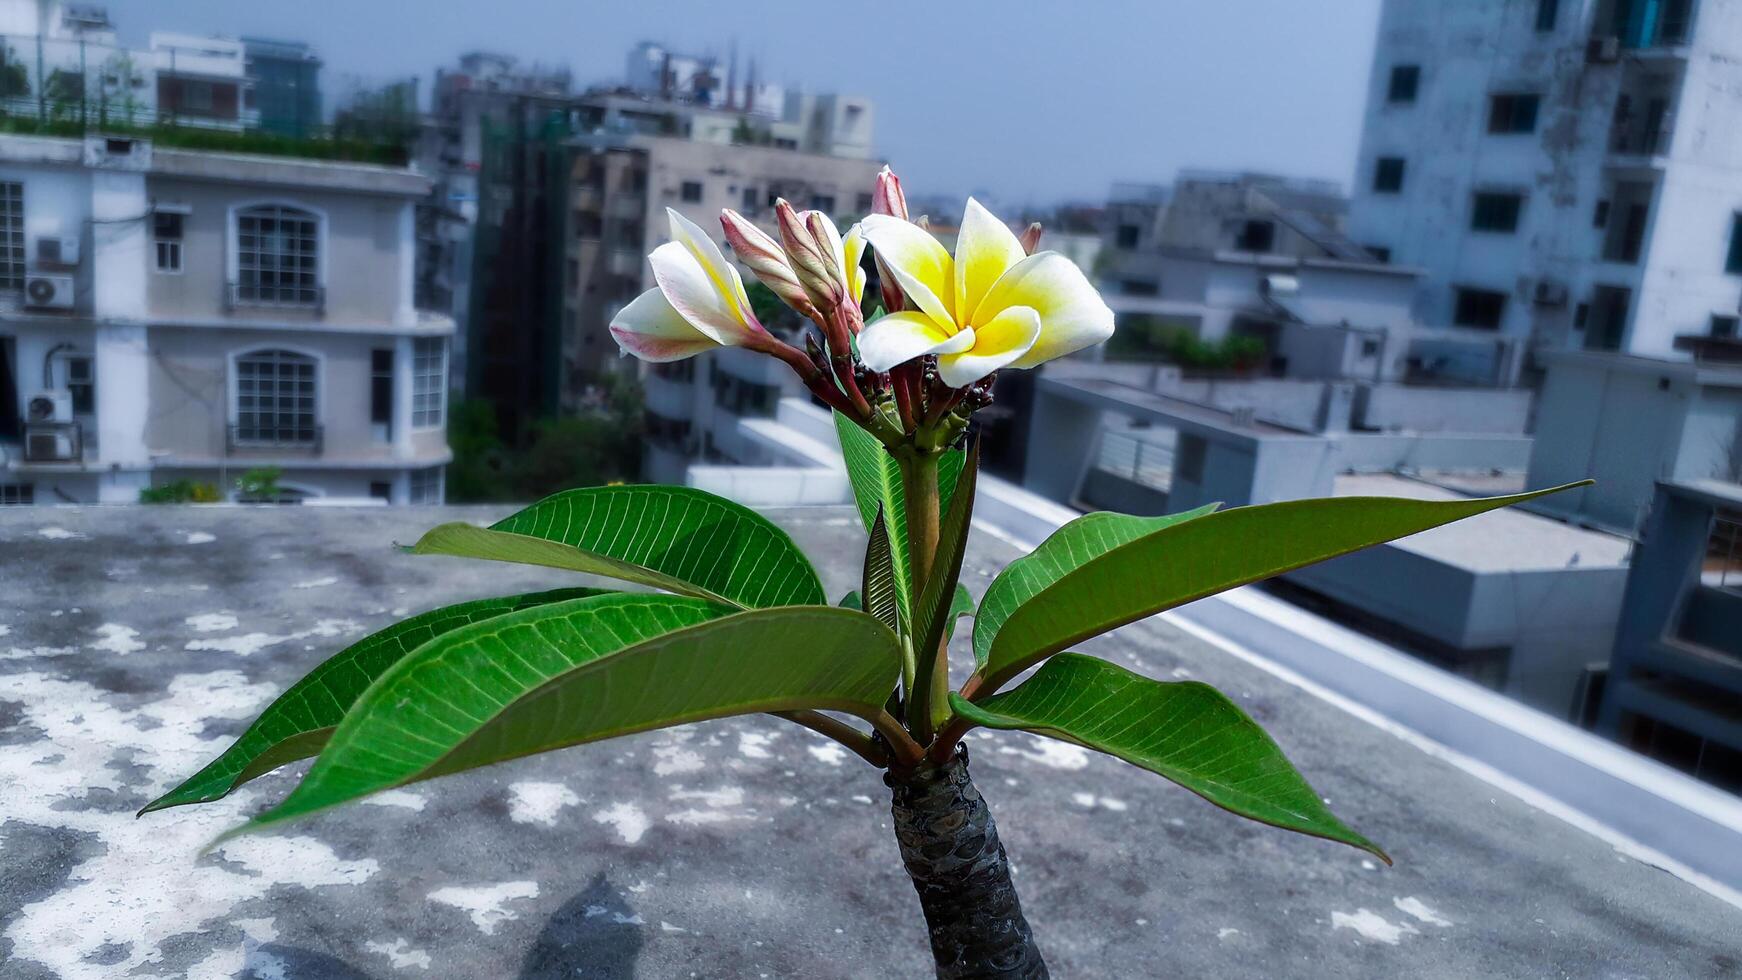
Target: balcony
<point>242,439</point>
<point>253,296</point>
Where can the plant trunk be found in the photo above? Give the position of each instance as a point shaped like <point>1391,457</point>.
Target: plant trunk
<point>950,847</point>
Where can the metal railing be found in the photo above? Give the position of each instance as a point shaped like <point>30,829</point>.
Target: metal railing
<point>249,437</point>
<point>1723,563</point>
<point>1139,460</point>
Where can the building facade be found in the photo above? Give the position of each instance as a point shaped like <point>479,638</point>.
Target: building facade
<point>185,315</point>
<point>1565,171</point>
<point>286,78</point>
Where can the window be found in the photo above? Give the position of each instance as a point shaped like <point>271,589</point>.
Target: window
<point>1547,13</point>
<point>1626,242</point>
<point>1606,324</point>
<point>1482,308</point>
<point>426,485</point>
<point>196,96</point>
<point>1512,113</point>
<point>691,191</point>
<point>1405,83</point>
<point>429,372</point>
<point>1256,236</point>
<point>381,393</point>
<point>823,202</point>
<point>275,398</point>
<point>1724,325</point>
<point>11,234</point>
<point>277,256</point>
<point>82,384</point>
<point>744,397</point>
<point>381,491</point>
<point>862,203</point>
<point>1733,262</point>
<point>166,229</point>
<point>1380,253</point>
<point>1388,175</point>
<point>17,494</point>
<point>1496,211</point>
<point>1600,217</point>
<point>1128,236</point>
<point>1139,287</point>
<point>749,198</point>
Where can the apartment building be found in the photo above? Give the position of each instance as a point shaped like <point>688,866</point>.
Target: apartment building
<point>171,314</point>
<point>1564,171</point>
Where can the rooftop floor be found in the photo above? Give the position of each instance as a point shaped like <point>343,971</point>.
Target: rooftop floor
<point>135,642</point>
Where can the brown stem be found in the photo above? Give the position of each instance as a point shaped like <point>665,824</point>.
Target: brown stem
<point>908,753</point>
<point>903,397</point>
<point>862,744</point>
<point>919,485</point>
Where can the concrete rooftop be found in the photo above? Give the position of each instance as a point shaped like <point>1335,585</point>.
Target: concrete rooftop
<point>135,641</point>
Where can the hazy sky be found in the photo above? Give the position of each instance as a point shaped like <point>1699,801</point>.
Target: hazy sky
<point>1033,102</point>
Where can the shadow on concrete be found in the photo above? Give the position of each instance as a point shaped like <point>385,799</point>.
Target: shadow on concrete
<point>592,936</point>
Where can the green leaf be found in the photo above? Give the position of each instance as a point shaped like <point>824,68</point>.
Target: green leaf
<point>679,539</point>
<point>852,600</point>
<point>1188,732</point>
<point>1195,558</point>
<point>589,669</point>
<point>876,478</point>
<point>931,657</point>
<point>299,722</point>
<point>878,577</point>
<point>1080,540</point>
<point>961,605</point>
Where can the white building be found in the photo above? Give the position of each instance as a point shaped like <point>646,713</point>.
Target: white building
<point>187,315</point>
<point>1568,171</point>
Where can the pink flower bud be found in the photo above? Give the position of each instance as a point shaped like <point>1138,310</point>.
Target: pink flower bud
<point>762,255</point>
<point>813,262</point>
<point>1030,238</point>
<point>887,197</point>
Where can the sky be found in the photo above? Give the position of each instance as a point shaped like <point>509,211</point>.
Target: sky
<point>1025,102</point>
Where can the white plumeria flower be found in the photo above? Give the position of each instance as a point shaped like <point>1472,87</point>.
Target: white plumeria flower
<point>988,307</point>
<point>699,303</point>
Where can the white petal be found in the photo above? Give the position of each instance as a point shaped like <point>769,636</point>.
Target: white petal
<point>921,266</point>
<point>652,330</point>
<point>1000,342</point>
<point>713,261</point>
<point>901,337</point>
<point>1072,314</point>
<point>985,250</point>
<point>696,295</point>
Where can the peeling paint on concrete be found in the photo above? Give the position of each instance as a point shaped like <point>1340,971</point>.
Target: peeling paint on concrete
<point>200,537</point>
<point>59,534</point>
<point>675,760</point>
<point>486,905</point>
<point>249,644</point>
<point>827,753</point>
<point>212,622</point>
<point>538,803</point>
<point>1418,910</point>
<point>631,823</point>
<point>754,745</point>
<point>403,799</point>
<point>1048,752</point>
<point>117,639</point>
<point>400,954</point>
<point>1372,926</point>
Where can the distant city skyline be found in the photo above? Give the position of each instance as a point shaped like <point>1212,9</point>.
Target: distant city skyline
<point>1037,106</point>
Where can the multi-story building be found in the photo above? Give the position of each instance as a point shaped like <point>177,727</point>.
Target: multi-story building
<point>170,314</point>
<point>286,77</point>
<point>1567,171</point>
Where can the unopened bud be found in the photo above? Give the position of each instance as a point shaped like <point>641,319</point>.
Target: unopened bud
<point>887,197</point>
<point>1030,238</point>
<point>813,262</point>
<point>762,255</point>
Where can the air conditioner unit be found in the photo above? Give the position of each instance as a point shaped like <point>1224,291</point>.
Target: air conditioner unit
<point>54,250</point>
<point>50,445</point>
<point>1603,50</point>
<point>48,292</point>
<point>49,406</point>
<point>1550,293</point>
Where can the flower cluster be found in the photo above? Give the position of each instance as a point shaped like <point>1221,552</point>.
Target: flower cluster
<point>916,372</point>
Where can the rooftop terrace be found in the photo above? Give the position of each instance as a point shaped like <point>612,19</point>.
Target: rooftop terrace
<point>135,641</point>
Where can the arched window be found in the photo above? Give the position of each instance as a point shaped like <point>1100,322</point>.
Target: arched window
<point>276,399</point>
<point>278,256</point>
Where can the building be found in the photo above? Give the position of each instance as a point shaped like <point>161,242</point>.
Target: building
<point>1564,172</point>
<point>559,196</point>
<point>1675,683</point>
<point>170,314</point>
<point>286,77</point>
<point>1628,423</point>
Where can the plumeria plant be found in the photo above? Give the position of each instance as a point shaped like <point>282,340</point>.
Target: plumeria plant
<point>732,619</point>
